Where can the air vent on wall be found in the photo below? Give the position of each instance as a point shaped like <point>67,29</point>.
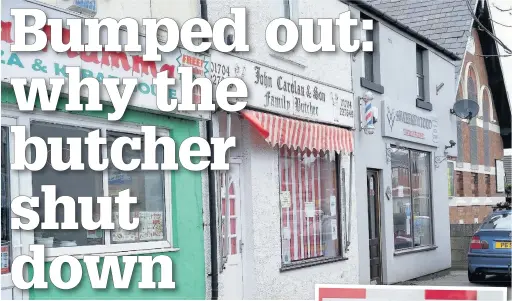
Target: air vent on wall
<point>85,7</point>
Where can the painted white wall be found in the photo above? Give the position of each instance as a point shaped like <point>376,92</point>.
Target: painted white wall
<point>398,77</point>
<point>262,278</point>
<point>179,10</point>
<point>331,68</point>
<point>261,227</point>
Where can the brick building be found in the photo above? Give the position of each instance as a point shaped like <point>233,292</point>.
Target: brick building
<point>475,174</point>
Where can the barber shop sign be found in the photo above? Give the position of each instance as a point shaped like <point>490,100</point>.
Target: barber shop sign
<point>404,125</point>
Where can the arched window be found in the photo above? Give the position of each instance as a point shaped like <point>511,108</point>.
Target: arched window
<point>460,140</point>
<point>471,85</point>
<point>487,118</point>
<point>472,89</point>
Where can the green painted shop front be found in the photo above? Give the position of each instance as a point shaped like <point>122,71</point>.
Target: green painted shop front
<point>185,191</point>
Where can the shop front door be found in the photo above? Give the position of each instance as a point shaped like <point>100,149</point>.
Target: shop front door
<point>11,239</point>
<point>374,226</point>
<point>232,235</point>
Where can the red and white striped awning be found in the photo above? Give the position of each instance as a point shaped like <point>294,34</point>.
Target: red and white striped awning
<point>295,134</point>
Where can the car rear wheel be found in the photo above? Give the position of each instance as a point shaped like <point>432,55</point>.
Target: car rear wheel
<point>475,277</point>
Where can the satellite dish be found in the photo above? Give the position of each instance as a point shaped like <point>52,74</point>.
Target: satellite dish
<point>465,108</point>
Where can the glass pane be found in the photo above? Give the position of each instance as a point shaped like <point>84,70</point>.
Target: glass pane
<point>68,183</point>
<point>147,186</point>
<point>287,13</point>
<point>498,222</point>
<point>421,87</point>
<point>309,205</point>
<point>420,180</point>
<point>232,226</point>
<point>401,191</point>
<point>232,210</point>
<point>233,246</point>
<point>368,66</point>
<point>372,208</point>
<point>6,204</point>
<point>419,62</point>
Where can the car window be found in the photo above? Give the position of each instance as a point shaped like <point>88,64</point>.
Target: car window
<point>498,222</point>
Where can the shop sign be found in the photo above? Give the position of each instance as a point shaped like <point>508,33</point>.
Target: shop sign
<point>283,93</point>
<point>48,63</point>
<point>410,126</point>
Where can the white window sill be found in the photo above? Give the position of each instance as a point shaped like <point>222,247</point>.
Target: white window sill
<point>112,250</point>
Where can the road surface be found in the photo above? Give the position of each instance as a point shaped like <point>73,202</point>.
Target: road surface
<point>460,278</point>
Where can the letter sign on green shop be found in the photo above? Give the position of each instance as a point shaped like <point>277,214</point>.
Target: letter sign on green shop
<point>48,63</point>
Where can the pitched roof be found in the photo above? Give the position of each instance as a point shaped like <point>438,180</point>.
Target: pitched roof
<point>445,22</point>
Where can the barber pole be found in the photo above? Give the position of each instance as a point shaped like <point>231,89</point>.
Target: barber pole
<point>365,104</point>
<point>368,112</point>
<point>407,293</point>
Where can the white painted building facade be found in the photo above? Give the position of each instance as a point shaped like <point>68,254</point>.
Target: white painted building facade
<point>287,230</point>
<point>401,178</point>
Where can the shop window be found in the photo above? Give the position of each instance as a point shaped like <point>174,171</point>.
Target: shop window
<point>309,206</point>
<point>6,202</point>
<point>451,179</point>
<point>147,186</point>
<point>412,213</point>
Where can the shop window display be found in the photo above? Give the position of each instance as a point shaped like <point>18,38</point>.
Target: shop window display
<point>147,186</point>
<point>412,216</point>
<point>309,206</point>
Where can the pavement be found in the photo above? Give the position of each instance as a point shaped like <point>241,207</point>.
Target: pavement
<point>460,278</point>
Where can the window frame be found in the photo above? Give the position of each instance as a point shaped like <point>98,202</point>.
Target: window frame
<point>369,77</point>
<point>430,205</point>
<point>315,260</point>
<point>103,125</point>
<point>16,247</point>
<point>371,82</point>
<point>420,53</point>
<point>289,14</point>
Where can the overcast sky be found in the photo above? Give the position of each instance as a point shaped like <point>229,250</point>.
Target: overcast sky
<point>505,35</point>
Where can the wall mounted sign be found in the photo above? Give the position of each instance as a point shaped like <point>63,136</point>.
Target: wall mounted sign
<point>285,199</point>
<point>279,92</point>
<point>48,64</point>
<point>413,126</point>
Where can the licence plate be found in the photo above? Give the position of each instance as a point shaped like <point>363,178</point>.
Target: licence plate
<point>503,245</point>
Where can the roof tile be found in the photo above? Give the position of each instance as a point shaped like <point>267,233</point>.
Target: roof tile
<point>446,22</point>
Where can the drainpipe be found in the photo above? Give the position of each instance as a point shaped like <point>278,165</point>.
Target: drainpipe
<point>349,221</point>
<point>212,193</point>
<point>213,220</point>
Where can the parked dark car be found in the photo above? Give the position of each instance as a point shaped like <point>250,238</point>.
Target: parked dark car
<point>490,251</point>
